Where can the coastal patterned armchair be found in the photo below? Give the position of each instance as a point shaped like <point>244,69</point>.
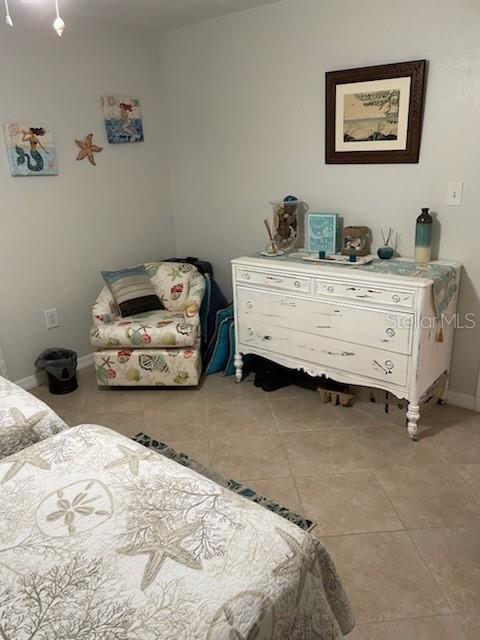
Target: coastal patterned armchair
<point>158,348</point>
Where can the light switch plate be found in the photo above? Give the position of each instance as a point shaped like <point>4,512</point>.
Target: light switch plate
<point>454,194</point>
<point>51,319</point>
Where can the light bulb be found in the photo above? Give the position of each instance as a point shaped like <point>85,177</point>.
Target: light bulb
<point>59,26</point>
<point>8,17</point>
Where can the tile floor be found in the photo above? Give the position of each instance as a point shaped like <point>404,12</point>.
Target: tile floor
<point>401,519</point>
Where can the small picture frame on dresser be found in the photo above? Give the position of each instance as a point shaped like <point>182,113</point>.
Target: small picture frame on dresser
<point>322,232</point>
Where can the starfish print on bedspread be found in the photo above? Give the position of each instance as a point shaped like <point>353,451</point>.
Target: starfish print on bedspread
<point>21,433</point>
<point>130,457</point>
<point>23,458</point>
<point>22,421</point>
<point>166,545</point>
<point>304,559</point>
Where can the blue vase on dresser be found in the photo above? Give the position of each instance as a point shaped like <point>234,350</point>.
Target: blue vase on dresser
<point>385,253</point>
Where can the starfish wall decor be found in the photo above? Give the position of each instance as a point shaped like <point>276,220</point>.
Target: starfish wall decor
<point>87,149</point>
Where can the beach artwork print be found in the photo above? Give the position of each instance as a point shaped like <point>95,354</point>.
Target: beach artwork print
<point>31,150</point>
<point>373,115</point>
<point>123,119</point>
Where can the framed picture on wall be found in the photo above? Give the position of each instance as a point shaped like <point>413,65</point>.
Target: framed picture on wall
<point>123,119</point>
<point>374,114</point>
<point>31,149</point>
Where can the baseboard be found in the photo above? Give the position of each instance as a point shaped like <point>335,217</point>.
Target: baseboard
<point>40,378</point>
<point>461,400</point>
<point>453,397</point>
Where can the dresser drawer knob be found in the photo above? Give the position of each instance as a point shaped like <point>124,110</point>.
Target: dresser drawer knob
<point>246,276</point>
<point>389,365</point>
<point>249,304</point>
<point>250,331</point>
<point>331,289</point>
<point>396,297</point>
<point>298,284</point>
<point>390,332</point>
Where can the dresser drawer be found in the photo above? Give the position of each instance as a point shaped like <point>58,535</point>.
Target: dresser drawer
<point>391,297</point>
<point>275,280</point>
<point>371,327</point>
<point>360,360</point>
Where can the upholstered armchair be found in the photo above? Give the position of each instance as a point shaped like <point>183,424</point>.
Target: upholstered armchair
<point>157,348</point>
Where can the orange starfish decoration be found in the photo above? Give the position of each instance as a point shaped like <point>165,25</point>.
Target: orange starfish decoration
<point>87,149</point>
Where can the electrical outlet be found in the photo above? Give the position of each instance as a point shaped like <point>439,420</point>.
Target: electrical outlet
<point>454,194</point>
<point>51,319</point>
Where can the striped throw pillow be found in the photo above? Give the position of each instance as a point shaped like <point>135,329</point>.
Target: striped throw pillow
<point>132,290</point>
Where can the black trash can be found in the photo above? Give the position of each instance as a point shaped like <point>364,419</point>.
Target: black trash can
<point>61,367</point>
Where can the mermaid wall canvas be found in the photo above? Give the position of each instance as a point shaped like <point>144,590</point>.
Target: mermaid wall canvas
<point>31,150</point>
<point>123,119</point>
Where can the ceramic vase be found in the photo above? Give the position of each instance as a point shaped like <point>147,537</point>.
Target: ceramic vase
<point>385,253</point>
<point>423,237</point>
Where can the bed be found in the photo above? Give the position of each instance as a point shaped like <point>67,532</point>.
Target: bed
<point>103,539</point>
<point>24,419</point>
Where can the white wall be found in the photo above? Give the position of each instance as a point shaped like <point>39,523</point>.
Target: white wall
<point>246,125</point>
<point>57,233</point>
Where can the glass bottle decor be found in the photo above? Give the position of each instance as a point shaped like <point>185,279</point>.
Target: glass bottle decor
<point>285,222</point>
<point>423,236</point>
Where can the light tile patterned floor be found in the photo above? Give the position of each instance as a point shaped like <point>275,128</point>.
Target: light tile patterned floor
<point>401,519</point>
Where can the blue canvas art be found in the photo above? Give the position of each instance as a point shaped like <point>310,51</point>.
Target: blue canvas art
<point>123,119</point>
<point>30,150</point>
<point>322,232</point>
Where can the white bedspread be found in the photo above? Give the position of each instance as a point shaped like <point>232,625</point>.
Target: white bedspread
<point>102,539</point>
<point>24,419</point>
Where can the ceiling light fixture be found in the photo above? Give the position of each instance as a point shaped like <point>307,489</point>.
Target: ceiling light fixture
<point>8,18</point>
<point>59,24</point>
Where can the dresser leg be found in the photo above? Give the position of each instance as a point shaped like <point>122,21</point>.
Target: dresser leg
<point>413,416</point>
<point>238,366</point>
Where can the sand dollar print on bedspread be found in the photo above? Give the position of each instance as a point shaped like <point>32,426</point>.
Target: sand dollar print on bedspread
<point>81,506</point>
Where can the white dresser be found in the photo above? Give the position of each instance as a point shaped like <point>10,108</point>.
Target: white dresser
<point>351,324</point>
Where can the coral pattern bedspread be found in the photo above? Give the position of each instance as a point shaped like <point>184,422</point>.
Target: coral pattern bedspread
<point>24,419</point>
<point>102,539</point>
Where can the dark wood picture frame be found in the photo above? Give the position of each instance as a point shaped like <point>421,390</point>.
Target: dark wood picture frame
<point>417,71</point>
